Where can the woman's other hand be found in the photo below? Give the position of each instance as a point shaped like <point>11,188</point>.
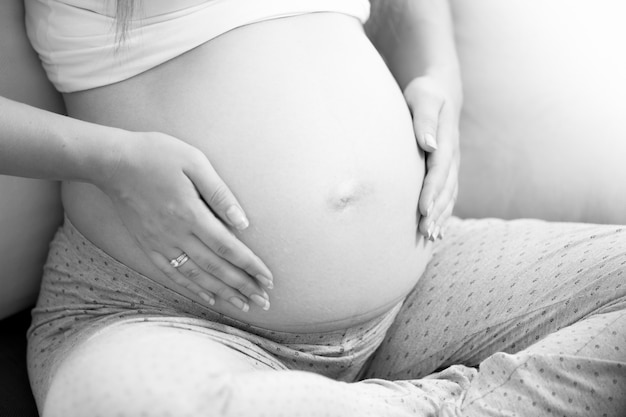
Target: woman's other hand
<point>416,39</point>
<point>435,120</point>
<point>171,200</point>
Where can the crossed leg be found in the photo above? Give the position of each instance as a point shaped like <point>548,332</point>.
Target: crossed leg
<point>137,368</point>
<point>539,307</point>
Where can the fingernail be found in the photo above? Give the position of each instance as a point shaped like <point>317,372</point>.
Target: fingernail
<point>430,140</point>
<point>429,231</point>
<point>237,218</point>
<point>264,303</point>
<point>206,297</point>
<point>239,303</point>
<point>265,281</point>
<point>436,233</point>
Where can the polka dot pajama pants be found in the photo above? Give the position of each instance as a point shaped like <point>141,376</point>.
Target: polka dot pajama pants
<point>539,308</point>
<point>511,318</point>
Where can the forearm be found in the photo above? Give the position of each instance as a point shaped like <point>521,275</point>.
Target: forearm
<point>416,38</point>
<point>35,143</point>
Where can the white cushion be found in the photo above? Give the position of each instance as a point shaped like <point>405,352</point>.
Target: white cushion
<point>543,128</point>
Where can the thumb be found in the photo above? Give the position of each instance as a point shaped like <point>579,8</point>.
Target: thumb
<point>425,107</point>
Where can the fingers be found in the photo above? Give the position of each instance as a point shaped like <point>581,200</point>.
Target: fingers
<point>172,273</point>
<point>218,267</point>
<point>208,270</point>
<point>217,194</point>
<point>433,226</point>
<point>447,213</point>
<point>222,201</point>
<point>225,245</point>
<point>228,256</point>
<point>234,289</point>
<point>440,188</point>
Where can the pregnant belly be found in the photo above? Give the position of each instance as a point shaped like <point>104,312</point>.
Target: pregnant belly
<point>304,122</point>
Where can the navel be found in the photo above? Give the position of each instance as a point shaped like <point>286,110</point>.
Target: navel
<point>349,194</point>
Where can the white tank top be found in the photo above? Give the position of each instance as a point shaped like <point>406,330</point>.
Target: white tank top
<point>78,45</point>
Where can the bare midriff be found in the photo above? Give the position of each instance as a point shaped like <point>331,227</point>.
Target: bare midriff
<point>304,122</point>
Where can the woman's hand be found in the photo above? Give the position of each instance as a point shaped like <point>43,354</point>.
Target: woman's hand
<point>162,189</point>
<point>435,120</point>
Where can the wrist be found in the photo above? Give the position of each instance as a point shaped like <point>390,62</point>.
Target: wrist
<point>103,152</point>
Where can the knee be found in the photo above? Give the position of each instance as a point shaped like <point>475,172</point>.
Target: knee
<point>126,393</point>
<point>126,375</point>
<point>67,398</point>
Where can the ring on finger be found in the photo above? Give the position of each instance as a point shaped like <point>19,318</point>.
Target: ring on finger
<point>180,260</point>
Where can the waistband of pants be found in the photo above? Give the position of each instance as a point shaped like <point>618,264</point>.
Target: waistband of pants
<point>111,281</point>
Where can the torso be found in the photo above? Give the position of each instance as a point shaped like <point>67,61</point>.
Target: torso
<point>305,123</point>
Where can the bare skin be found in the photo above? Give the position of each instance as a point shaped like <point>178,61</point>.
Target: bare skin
<point>317,144</point>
